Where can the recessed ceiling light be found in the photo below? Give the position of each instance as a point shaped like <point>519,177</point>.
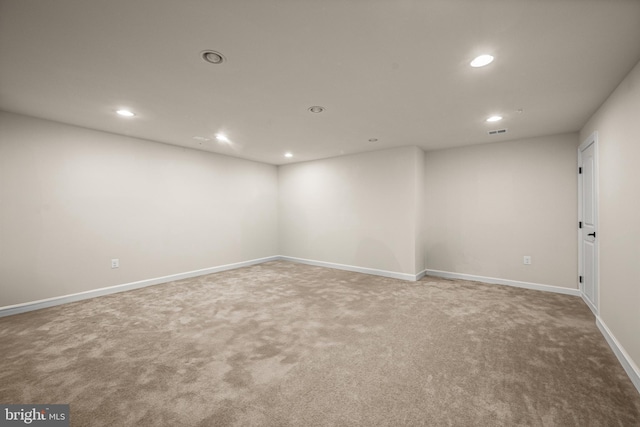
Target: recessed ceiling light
<point>125,113</point>
<point>494,118</point>
<point>288,155</point>
<point>212,57</point>
<point>201,138</point>
<point>222,137</point>
<point>481,61</point>
<point>373,139</point>
<point>316,109</point>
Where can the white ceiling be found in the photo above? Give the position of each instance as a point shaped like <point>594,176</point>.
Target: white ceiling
<point>393,70</point>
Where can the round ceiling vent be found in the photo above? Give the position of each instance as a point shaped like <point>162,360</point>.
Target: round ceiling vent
<point>212,56</point>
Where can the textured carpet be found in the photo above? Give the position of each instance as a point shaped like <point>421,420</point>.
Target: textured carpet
<point>285,344</point>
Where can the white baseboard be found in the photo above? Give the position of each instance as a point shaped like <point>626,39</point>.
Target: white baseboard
<point>623,357</point>
<point>365,270</point>
<point>593,308</point>
<point>50,302</point>
<point>496,281</point>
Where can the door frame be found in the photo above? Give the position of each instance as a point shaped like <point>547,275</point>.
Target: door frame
<point>591,139</point>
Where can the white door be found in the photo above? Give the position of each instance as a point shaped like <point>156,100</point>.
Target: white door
<point>588,221</point>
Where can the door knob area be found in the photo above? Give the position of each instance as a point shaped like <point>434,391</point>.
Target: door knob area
<point>592,234</point>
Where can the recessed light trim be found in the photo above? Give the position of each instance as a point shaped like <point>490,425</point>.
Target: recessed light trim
<point>316,109</point>
<point>494,119</point>
<point>212,57</point>
<point>373,139</point>
<point>125,113</point>
<point>201,138</point>
<point>288,155</point>
<point>481,61</point>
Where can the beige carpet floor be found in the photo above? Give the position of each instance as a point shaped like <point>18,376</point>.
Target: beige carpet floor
<point>285,344</point>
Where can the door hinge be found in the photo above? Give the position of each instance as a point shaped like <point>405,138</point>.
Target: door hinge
<point>579,170</point>
<point>580,224</point>
<point>580,279</point>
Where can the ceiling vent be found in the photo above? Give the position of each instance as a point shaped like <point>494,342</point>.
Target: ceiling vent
<point>497,131</point>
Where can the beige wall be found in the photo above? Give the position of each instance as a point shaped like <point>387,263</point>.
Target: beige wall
<point>487,206</point>
<point>618,125</point>
<point>71,199</point>
<point>420,203</point>
<point>357,210</point>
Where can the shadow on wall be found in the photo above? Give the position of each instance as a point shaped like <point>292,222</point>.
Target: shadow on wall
<point>439,256</point>
<point>374,254</point>
<point>340,248</point>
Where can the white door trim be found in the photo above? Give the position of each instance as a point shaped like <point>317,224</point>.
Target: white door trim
<point>594,305</point>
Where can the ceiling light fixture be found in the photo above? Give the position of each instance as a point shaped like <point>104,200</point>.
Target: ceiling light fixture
<point>373,139</point>
<point>125,113</point>
<point>316,109</point>
<point>481,61</point>
<point>201,138</point>
<point>222,137</point>
<point>494,118</point>
<point>212,57</point>
<point>288,155</point>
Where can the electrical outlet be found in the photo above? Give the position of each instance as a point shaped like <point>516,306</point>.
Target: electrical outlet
<point>115,263</point>
<point>527,260</point>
